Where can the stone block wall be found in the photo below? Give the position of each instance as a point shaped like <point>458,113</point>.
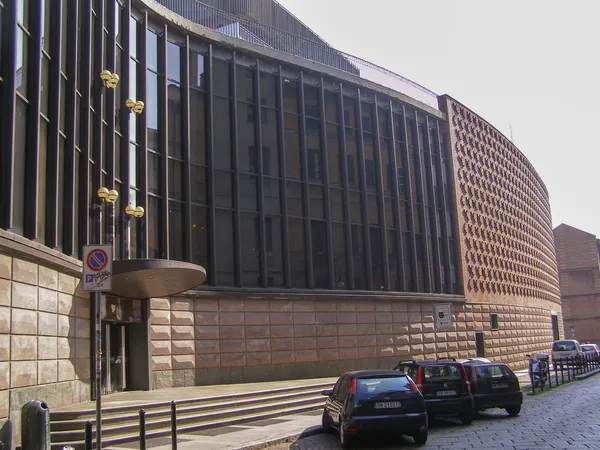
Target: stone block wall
<point>212,339</point>
<point>44,337</point>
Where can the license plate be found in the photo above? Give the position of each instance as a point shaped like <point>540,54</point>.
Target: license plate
<point>387,405</point>
<point>499,385</point>
<point>445,393</point>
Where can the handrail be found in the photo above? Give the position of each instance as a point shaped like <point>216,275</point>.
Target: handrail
<point>233,25</point>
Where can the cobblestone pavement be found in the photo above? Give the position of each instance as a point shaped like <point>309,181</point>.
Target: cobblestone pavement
<point>568,417</point>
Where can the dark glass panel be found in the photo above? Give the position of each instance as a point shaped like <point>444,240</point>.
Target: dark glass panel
<point>200,236</point>
<point>297,255</point>
<point>292,147</point>
<point>21,72</point>
<point>331,106</point>
<point>199,187</point>
<point>355,207</point>
<point>174,62</point>
<point>154,170</point>
<point>63,38</point>
<point>294,199</point>
<point>248,192</point>
<point>290,95</point>
<point>44,87</point>
<point>118,143</point>
<point>317,208</point>
<point>270,142</point>
<point>152,50</point>
<point>245,84</point>
<point>176,234</point>
<point>41,174</point>
<point>151,111</point>
<point>337,206</point>
<point>197,71</point>
<point>404,222</point>
<point>319,253</point>
<point>386,167</point>
<point>224,248</point>
<point>197,127</point>
<point>133,37</point>
<point>311,102</point>
<point>274,249</point>
<point>370,168</point>
<point>390,220</point>
<point>333,150</point>
<point>349,112</point>
<point>250,250</point>
<point>267,90</point>
<point>246,143</point>
<point>175,123</point>
<point>384,122</point>
<point>367,117</point>
<point>220,80</point>
<point>359,258</point>
<point>373,209</point>
<point>339,256</point>
<point>154,232</point>
<point>376,258</point>
<point>222,133</point>
<point>176,187</point>
<point>399,128</point>
<point>392,253</point>
<point>272,196</point>
<point>411,133</point>
<point>223,189</point>
<point>408,262</point>
<point>352,158</point>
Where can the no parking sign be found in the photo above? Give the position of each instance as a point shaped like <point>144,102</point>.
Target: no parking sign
<point>97,267</point>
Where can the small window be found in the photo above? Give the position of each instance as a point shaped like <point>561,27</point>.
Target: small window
<point>494,321</point>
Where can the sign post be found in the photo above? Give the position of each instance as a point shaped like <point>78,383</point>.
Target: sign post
<point>442,321</point>
<point>97,277</point>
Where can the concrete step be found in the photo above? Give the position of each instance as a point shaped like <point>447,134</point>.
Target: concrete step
<point>121,424</point>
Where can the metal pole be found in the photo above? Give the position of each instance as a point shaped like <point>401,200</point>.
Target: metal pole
<point>173,425</point>
<point>98,307</point>
<point>88,435</point>
<point>435,333</point>
<point>142,429</point>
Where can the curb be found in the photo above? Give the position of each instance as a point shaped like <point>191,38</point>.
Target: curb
<point>589,374</point>
<point>310,431</point>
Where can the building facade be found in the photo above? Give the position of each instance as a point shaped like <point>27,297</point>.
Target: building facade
<point>579,275</point>
<point>330,211</point>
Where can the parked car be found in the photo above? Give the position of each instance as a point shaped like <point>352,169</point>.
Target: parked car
<point>444,385</point>
<point>590,350</point>
<point>494,385</point>
<point>567,349</point>
<point>365,402</point>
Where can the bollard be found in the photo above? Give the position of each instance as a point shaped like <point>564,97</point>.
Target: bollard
<point>555,372</point>
<point>6,432</point>
<point>88,435</point>
<point>142,429</point>
<point>540,374</point>
<point>173,425</point>
<point>35,426</point>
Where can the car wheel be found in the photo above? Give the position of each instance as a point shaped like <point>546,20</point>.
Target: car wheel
<point>466,417</point>
<point>420,438</point>
<point>325,422</point>
<point>345,440</point>
<point>513,411</point>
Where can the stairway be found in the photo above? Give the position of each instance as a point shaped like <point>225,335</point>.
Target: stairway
<point>120,424</point>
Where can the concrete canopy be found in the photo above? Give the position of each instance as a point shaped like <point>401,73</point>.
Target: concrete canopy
<point>146,278</point>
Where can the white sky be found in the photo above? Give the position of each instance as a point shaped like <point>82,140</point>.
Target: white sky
<point>530,64</point>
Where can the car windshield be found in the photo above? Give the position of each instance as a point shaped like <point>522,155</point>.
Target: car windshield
<point>383,384</point>
<point>588,348</point>
<point>446,372</point>
<point>492,371</point>
<point>564,346</point>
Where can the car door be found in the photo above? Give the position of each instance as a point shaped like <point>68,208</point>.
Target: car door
<point>338,399</point>
<point>330,407</point>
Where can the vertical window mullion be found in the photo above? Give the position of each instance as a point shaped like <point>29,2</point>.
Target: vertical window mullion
<point>437,263</point>
<point>163,102</point>
<point>260,167</point>
<point>411,210</point>
<point>283,183</point>
<point>304,159</point>
<point>185,78</point>
<point>364,194</point>
<point>381,200</point>
<point>344,164</point>
<point>210,156</point>
<point>124,116</point>
<point>109,116</point>
<point>327,195</point>
<point>423,213</point>
<point>142,234</point>
<point>70,111</point>
<point>236,173</point>
<point>445,209</point>
<point>396,203</point>
<point>32,156</point>
<point>54,97</point>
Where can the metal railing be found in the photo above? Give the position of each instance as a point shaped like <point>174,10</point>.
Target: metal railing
<point>562,371</point>
<point>320,52</point>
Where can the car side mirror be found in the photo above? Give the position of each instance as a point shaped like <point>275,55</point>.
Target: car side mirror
<point>327,392</point>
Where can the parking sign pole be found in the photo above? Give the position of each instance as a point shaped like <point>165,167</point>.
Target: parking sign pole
<point>435,333</point>
<point>98,304</point>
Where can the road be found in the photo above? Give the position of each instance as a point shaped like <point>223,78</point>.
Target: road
<point>567,417</point>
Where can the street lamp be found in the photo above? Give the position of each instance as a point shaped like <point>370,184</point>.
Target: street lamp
<point>109,79</point>
<point>134,106</point>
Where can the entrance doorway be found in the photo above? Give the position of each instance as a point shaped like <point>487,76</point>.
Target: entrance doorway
<point>114,358</point>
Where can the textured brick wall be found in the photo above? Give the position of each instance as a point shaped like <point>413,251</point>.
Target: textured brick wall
<point>207,340</point>
<point>44,337</point>
<point>503,212</point>
<point>575,249</point>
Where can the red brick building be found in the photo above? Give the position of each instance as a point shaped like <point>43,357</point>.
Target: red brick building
<point>579,275</point>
